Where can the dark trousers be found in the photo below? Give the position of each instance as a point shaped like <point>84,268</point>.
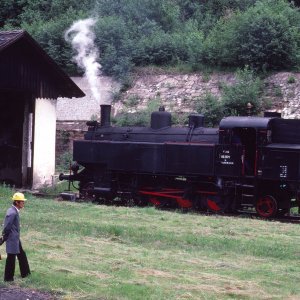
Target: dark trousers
<point>11,263</point>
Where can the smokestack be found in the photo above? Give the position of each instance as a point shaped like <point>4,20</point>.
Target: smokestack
<point>105,114</point>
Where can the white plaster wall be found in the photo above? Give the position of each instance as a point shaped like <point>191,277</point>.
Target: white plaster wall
<point>87,108</point>
<point>44,142</point>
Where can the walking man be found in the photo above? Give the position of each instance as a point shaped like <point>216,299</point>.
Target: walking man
<point>11,235</point>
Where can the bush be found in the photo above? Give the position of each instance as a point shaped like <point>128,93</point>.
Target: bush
<point>115,45</point>
<point>64,161</point>
<point>266,36</point>
<point>140,118</point>
<point>158,48</point>
<point>247,89</point>
<point>189,43</point>
<point>263,34</point>
<point>291,79</point>
<point>161,48</point>
<point>234,100</point>
<point>50,36</point>
<point>132,119</point>
<point>212,109</point>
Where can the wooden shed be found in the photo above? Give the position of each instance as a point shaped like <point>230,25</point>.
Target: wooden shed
<point>30,83</point>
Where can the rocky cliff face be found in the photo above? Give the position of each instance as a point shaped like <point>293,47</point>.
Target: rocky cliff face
<point>283,91</point>
<point>179,92</point>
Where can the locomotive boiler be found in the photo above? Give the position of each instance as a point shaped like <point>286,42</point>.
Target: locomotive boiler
<point>247,164</point>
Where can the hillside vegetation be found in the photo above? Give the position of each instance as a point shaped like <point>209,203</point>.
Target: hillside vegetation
<point>86,251</point>
<point>263,34</point>
<point>249,37</point>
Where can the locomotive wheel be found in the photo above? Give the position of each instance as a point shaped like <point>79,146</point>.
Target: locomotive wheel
<point>86,192</point>
<point>266,206</point>
<point>214,204</point>
<point>141,200</point>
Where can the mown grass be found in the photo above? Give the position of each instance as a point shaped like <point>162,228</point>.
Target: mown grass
<point>86,251</point>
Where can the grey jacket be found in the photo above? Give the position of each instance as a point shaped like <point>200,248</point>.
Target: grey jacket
<point>11,231</point>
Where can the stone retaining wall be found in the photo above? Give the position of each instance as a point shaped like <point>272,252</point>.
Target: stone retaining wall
<point>179,92</point>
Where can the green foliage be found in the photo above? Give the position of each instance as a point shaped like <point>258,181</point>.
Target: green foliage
<point>158,48</point>
<point>212,109</point>
<point>291,79</point>
<point>189,43</point>
<point>278,91</point>
<point>247,89</point>
<point>132,101</point>
<point>10,14</point>
<point>64,161</point>
<point>132,119</point>
<point>113,41</point>
<point>164,13</point>
<point>140,118</point>
<point>180,119</point>
<point>50,35</point>
<point>46,11</point>
<point>234,99</point>
<point>265,36</point>
<point>222,7</point>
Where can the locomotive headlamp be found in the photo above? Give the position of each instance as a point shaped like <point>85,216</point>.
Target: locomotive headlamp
<point>75,167</point>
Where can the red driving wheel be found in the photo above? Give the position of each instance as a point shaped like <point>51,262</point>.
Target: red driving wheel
<point>266,206</point>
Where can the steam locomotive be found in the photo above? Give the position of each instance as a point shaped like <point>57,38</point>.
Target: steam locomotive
<point>247,164</point>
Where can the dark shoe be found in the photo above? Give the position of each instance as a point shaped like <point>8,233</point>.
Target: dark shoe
<point>8,279</point>
<point>25,275</point>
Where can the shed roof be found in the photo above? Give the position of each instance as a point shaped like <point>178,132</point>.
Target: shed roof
<point>60,81</point>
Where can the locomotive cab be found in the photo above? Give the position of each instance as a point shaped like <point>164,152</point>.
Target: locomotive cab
<point>246,137</point>
<point>248,134</point>
<point>270,172</point>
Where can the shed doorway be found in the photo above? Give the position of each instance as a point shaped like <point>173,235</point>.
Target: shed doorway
<point>15,139</point>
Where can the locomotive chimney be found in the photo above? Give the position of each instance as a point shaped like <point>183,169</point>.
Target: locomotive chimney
<point>105,114</point>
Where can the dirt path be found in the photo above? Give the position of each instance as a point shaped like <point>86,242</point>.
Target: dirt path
<point>17,293</point>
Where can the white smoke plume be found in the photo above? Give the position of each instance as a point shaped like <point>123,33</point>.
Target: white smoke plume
<point>82,38</point>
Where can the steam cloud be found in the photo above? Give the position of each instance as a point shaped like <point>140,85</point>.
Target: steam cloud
<point>82,38</point>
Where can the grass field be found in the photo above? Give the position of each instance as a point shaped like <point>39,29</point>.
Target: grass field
<point>87,251</point>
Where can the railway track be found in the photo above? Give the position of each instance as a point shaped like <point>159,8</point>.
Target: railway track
<point>293,218</point>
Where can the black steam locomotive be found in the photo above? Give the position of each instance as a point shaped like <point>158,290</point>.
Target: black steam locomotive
<point>247,164</point>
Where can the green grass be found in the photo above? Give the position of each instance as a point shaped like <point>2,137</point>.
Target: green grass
<point>60,186</point>
<point>87,251</point>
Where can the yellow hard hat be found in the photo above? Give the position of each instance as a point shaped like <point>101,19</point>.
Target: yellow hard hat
<point>18,197</point>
